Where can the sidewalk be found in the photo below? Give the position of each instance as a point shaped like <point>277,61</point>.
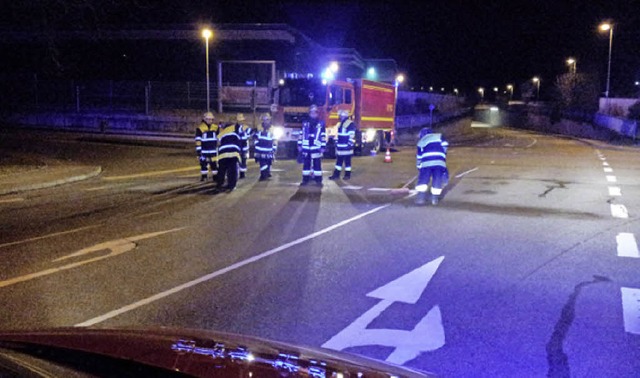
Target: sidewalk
<point>17,176</point>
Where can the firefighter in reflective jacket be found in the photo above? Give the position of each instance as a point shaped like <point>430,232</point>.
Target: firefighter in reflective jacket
<point>431,161</point>
<point>344,145</point>
<point>229,155</point>
<point>245,133</point>
<point>265,147</point>
<point>207,146</point>
<point>311,145</point>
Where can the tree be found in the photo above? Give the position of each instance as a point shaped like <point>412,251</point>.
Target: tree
<point>577,92</point>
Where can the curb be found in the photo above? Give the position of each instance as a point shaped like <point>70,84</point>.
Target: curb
<point>55,182</point>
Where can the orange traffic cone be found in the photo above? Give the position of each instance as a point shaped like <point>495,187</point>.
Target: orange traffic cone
<point>387,156</point>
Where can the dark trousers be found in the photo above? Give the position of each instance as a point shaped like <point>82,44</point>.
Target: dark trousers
<point>435,175</point>
<point>243,162</point>
<point>307,172</point>
<point>208,161</point>
<point>265,167</point>
<point>343,159</point>
<point>229,169</point>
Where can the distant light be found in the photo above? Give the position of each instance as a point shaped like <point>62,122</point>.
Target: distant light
<point>571,61</point>
<point>637,83</point>
<point>278,132</point>
<point>495,89</point>
<point>333,67</point>
<point>207,33</point>
<point>281,82</point>
<point>605,26</point>
<point>250,357</point>
<point>327,75</point>
<point>324,81</point>
<point>371,73</point>
<point>430,89</point>
<point>250,83</point>
<point>493,108</point>
<point>509,87</point>
<point>441,89</point>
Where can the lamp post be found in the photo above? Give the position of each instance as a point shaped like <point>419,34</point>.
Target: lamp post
<point>481,91</point>
<point>607,26</point>
<point>572,65</point>
<point>206,33</point>
<point>536,81</point>
<point>510,89</point>
<point>398,81</point>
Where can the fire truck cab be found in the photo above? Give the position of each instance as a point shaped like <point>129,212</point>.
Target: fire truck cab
<point>370,104</point>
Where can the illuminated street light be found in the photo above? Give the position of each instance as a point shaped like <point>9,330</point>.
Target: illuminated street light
<point>572,65</point>
<point>607,26</point>
<point>399,79</point>
<point>207,33</point>
<point>481,91</point>
<point>510,89</point>
<point>495,89</point>
<point>455,90</point>
<point>536,81</point>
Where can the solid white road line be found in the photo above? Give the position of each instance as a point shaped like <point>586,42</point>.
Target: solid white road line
<point>222,271</point>
<point>47,236</point>
<point>627,245</point>
<point>466,172</point>
<point>154,173</point>
<point>10,200</point>
<point>612,179</point>
<point>615,191</point>
<point>619,211</point>
<point>631,309</point>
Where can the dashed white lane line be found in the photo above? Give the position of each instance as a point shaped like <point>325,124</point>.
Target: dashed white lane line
<point>627,245</point>
<point>605,164</point>
<point>631,309</point>
<point>619,211</point>
<point>615,191</point>
<point>608,170</point>
<point>612,179</point>
<point>222,271</point>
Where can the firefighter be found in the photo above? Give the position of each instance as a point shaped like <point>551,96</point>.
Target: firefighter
<point>311,145</point>
<point>229,154</point>
<point>245,133</point>
<point>265,147</point>
<point>431,161</point>
<point>207,146</point>
<point>344,145</point>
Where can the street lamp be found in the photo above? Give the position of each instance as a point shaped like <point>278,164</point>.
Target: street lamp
<point>510,89</point>
<point>207,33</point>
<point>607,26</point>
<point>481,91</point>
<point>536,81</point>
<point>572,65</point>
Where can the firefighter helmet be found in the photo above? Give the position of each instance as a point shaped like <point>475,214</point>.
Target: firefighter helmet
<point>313,108</point>
<point>240,117</point>
<point>343,113</point>
<point>266,117</point>
<point>208,115</point>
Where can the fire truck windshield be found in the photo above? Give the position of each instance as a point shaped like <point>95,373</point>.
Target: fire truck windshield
<point>302,92</point>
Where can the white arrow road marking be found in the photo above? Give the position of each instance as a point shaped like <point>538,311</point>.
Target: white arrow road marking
<point>116,247</point>
<point>627,245</point>
<point>426,336</point>
<point>619,211</point>
<point>631,309</point>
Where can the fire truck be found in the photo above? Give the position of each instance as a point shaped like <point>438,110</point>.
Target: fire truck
<point>371,104</point>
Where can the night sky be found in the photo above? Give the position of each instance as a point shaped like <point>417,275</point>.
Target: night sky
<point>436,43</point>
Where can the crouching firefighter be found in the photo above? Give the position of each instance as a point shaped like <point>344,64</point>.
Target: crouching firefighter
<point>265,147</point>
<point>311,146</point>
<point>431,161</point>
<point>344,145</point>
<point>207,146</point>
